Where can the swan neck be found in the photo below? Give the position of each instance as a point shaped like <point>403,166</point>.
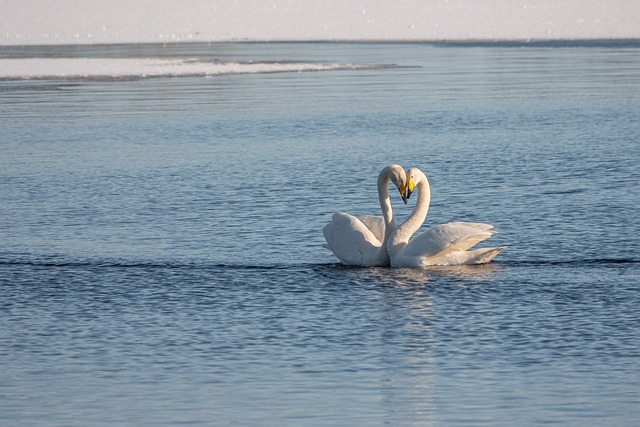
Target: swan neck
<point>385,201</point>
<point>404,232</point>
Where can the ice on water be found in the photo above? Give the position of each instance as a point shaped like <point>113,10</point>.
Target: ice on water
<point>69,68</point>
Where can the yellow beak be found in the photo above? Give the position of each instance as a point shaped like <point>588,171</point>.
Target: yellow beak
<point>403,189</point>
<point>410,187</point>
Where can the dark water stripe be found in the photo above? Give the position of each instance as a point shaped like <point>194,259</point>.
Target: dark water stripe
<point>144,265</point>
<point>205,266</point>
<point>571,262</point>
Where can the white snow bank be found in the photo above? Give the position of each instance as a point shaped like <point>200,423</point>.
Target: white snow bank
<point>107,68</point>
<point>138,21</point>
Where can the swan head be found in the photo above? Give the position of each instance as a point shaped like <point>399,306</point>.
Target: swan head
<point>398,176</point>
<point>414,175</point>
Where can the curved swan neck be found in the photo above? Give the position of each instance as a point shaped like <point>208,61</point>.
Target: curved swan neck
<point>405,230</point>
<point>383,195</point>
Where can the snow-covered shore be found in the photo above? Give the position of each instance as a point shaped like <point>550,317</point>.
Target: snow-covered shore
<point>42,22</point>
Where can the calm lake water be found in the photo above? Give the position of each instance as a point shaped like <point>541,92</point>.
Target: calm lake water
<point>161,257</point>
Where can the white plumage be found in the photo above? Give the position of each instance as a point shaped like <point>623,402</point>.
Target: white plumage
<point>446,244</point>
<point>362,240</point>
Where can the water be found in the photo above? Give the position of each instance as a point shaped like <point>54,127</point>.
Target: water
<point>161,259</point>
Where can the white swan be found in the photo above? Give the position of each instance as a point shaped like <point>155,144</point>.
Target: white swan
<point>445,244</point>
<point>362,240</point>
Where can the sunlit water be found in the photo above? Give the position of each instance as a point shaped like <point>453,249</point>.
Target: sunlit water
<point>161,257</point>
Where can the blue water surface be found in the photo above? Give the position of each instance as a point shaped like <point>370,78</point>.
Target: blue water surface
<point>161,257</point>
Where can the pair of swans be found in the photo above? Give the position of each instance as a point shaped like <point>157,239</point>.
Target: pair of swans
<point>375,241</point>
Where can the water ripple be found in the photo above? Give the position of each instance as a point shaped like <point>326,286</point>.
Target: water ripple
<point>162,257</point>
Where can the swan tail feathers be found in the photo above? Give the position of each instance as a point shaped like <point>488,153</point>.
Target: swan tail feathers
<point>484,255</point>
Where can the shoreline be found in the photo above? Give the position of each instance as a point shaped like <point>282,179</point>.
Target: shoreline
<point>131,61</point>
<point>55,22</point>
<point>443,41</point>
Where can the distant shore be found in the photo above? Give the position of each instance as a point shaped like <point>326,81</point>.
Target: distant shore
<point>37,22</point>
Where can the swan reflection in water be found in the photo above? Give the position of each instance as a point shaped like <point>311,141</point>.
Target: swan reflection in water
<point>411,276</point>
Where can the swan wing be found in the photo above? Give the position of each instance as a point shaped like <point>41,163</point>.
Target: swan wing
<point>375,224</point>
<point>447,238</point>
<point>352,241</point>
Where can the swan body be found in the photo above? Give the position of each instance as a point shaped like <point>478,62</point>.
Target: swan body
<point>362,240</point>
<point>446,244</point>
